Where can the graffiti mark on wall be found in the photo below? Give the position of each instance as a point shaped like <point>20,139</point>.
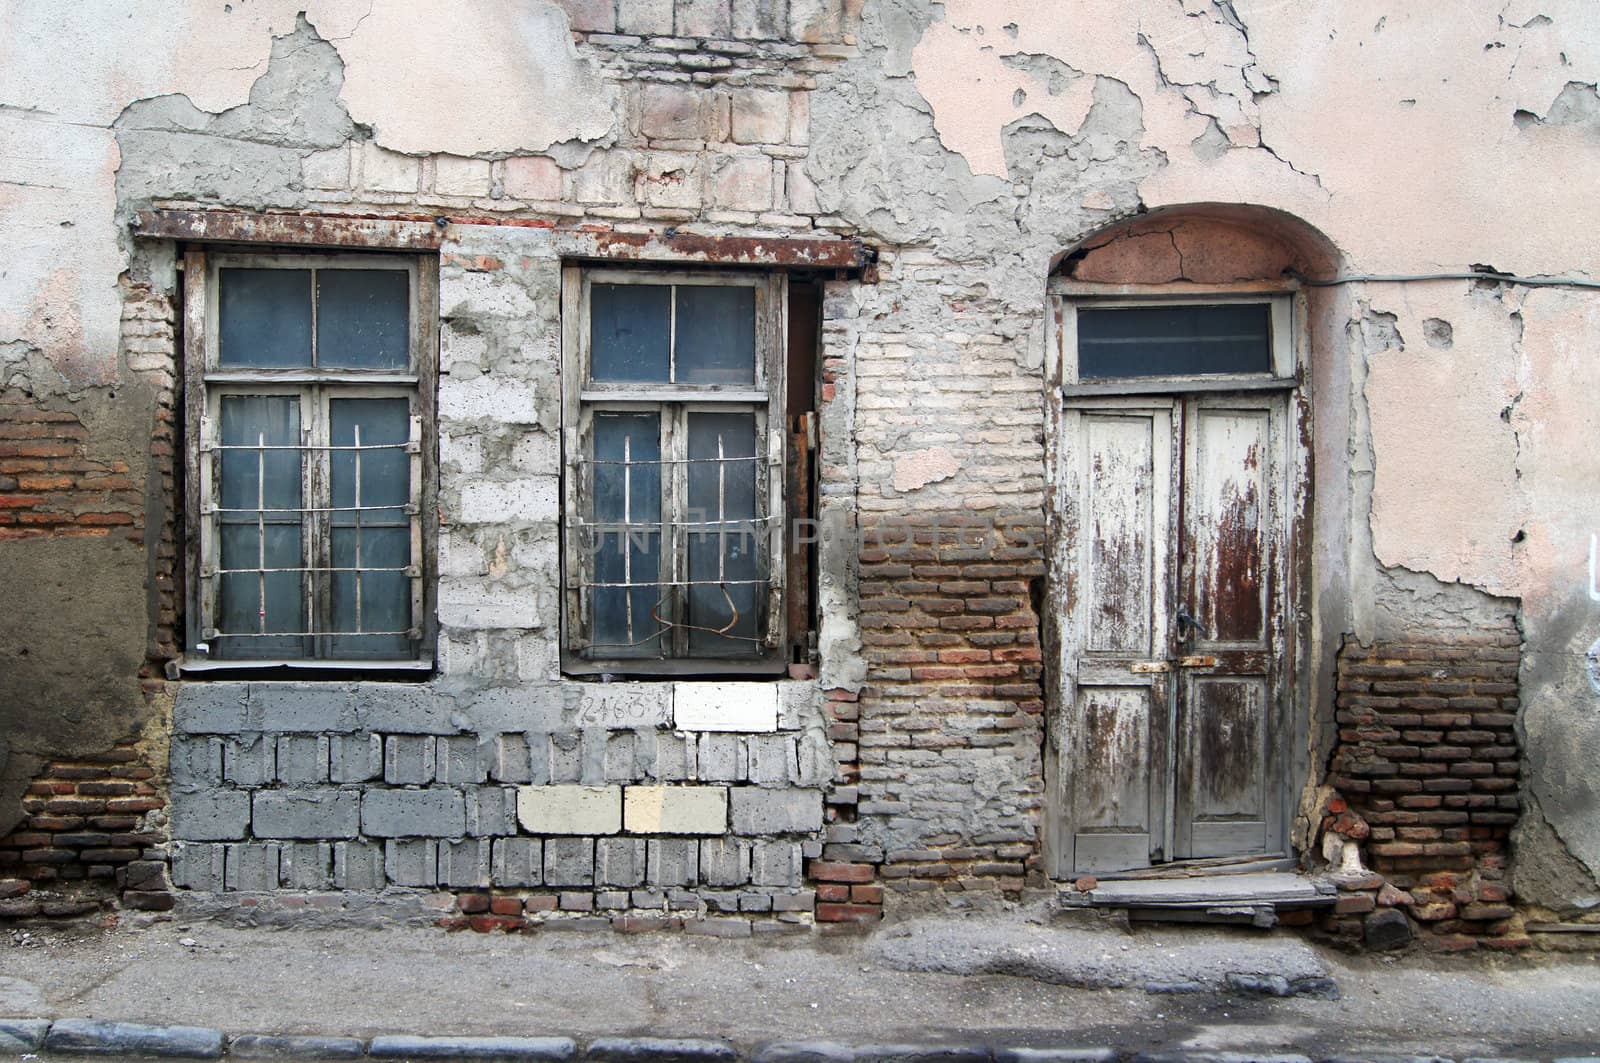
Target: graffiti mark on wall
<point>1594,666</point>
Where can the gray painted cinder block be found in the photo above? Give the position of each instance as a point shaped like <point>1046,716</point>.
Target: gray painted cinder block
<point>358,866</point>
<point>401,708</point>
<point>198,866</point>
<point>250,760</point>
<point>252,867</point>
<point>672,862</point>
<point>776,863</point>
<point>355,758</point>
<point>674,759</point>
<point>762,811</point>
<point>301,707</point>
<point>517,862</point>
<point>195,762</point>
<point>569,861</point>
<point>772,760</point>
<point>303,759</point>
<point>510,761</point>
<point>527,707</point>
<point>306,865</point>
<point>409,760</point>
<point>491,810</point>
<point>722,758</point>
<point>412,863</point>
<point>619,861</point>
<point>464,863</point>
<point>309,813</point>
<point>212,815</point>
<point>724,862</point>
<point>459,760</point>
<point>432,813</point>
<point>210,708</point>
<point>621,757</point>
<point>566,757</point>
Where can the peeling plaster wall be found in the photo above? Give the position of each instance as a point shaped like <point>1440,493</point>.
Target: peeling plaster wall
<point>1455,436</point>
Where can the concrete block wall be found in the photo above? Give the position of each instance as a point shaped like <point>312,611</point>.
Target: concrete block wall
<point>369,787</point>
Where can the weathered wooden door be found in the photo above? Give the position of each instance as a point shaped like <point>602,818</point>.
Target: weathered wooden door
<point>1168,743</point>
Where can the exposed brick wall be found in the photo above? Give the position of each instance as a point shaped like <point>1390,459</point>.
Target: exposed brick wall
<point>951,717</point>
<point>49,486</point>
<point>89,836</point>
<point>149,341</point>
<point>1428,767</point>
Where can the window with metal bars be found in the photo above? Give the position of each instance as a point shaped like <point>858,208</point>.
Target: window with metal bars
<point>309,402</point>
<point>674,451</point>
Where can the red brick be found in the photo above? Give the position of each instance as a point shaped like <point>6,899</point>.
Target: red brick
<point>848,913</point>
<point>831,871</point>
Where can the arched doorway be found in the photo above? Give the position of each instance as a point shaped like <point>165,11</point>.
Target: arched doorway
<point>1180,504</point>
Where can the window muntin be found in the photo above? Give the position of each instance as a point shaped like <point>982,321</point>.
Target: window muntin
<point>309,461</point>
<point>675,502</point>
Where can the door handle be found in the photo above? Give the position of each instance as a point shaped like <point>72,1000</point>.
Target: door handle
<point>1187,624</point>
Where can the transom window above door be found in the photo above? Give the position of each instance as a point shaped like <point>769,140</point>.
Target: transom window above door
<point>1116,345</point>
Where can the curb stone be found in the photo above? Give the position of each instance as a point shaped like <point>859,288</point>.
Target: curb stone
<point>659,1050</point>
<point>264,1046</point>
<point>499,1049</point>
<point>22,1035</point>
<point>803,1052</point>
<point>912,1053</point>
<point>94,1037</point>
<point>1055,1055</point>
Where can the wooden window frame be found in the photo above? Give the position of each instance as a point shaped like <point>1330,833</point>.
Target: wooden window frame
<point>582,398</point>
<point>205,384</point>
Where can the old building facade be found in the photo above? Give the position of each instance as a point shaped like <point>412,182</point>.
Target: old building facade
<point>745,463</point>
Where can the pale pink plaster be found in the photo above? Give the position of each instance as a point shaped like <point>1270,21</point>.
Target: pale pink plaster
<point>919,468</point>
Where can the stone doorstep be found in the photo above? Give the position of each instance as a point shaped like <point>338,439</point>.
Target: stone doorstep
<point>1254,898</point>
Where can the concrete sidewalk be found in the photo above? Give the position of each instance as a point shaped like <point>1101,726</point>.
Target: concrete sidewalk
<point>990,980</point>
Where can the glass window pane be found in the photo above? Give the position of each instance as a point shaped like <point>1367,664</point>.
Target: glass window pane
<point>377,535</point>
<point>251,601</point>
<point>727,552</point>
<point>716,335</point>
<point>630,329</point>
<point>1173,340</point>
<point>626,539</point>
<point>264,318</point>
<point>251,424</point>
<point>363,318</point>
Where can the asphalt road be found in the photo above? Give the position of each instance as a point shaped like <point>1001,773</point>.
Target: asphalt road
<point>922,981</point>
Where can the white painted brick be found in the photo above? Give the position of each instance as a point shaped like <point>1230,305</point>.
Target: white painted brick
<point>388,171</point>
<point>532,177</point>
<point>470,604</point>
<point>493,502</point>
<point>725,707</point>
<point>760,116</point>
<point>490,398</point>
<point>675,809</point>
<point>326,169</point>
<point>570,809</point>
<point>455,176</point>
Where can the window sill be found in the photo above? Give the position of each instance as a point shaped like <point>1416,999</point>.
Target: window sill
<point>197,665</point>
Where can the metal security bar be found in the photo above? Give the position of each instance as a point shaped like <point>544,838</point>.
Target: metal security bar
<point>316,586</point>
<point>629,531</point>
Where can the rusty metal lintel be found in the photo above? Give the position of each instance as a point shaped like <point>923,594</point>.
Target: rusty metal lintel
<point>422,233</point>
<point>301,230</point>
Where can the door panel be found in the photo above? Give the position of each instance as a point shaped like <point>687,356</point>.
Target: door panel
<point>1228,460</point>
<point>1227,798</point>
<point>1112,741</point>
